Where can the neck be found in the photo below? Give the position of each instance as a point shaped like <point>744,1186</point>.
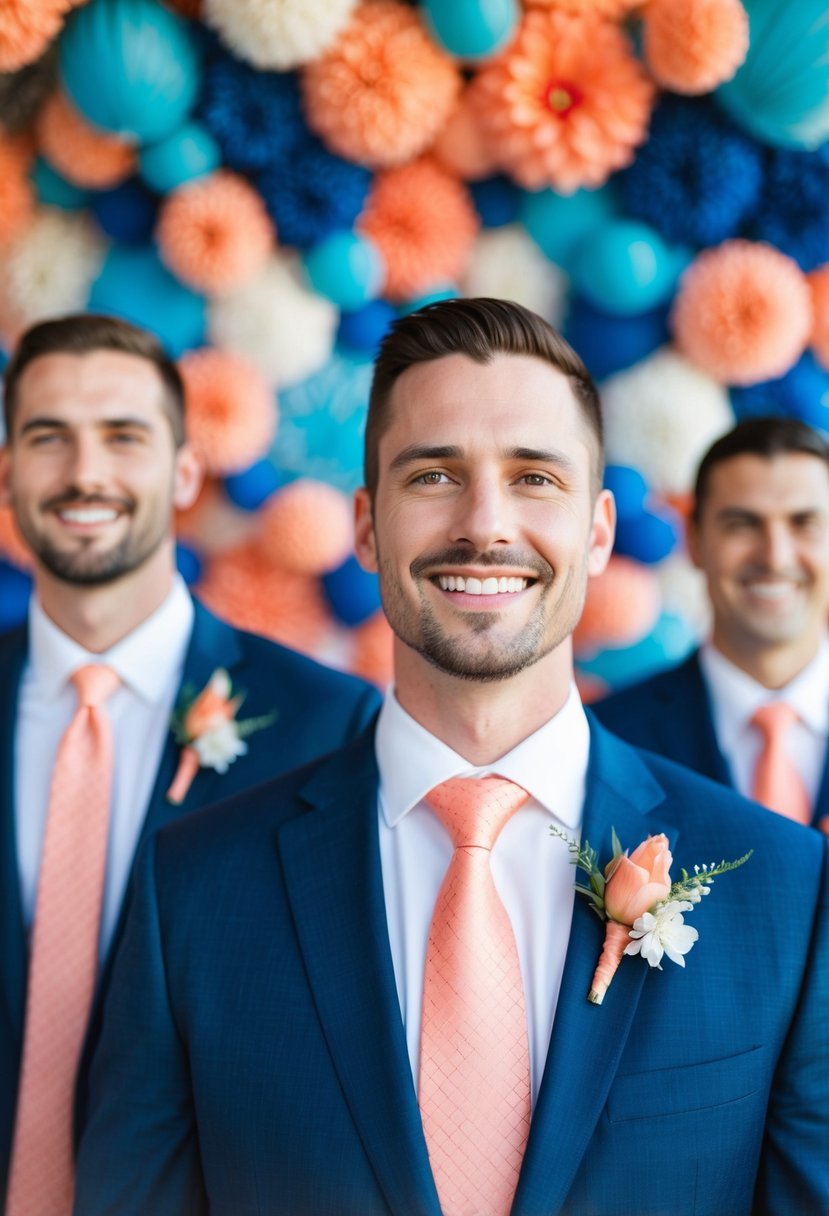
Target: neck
<point>773,667</point>
<point>482,720</point>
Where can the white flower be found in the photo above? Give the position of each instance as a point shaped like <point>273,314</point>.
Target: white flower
<point>218,747</point>
<point>278,34</point>
<point>663,931</point>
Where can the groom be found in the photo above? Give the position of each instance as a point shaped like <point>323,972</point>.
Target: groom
<point>328,1001</point>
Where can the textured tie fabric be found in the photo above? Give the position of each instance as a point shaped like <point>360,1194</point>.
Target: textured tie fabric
<point>64,954</point>
<point>777,783</point>
<point>474,1054</point>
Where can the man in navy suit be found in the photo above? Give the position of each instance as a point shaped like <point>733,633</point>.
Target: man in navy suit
<point>759,531</point>
<point>95,461</point>
<point>261,1051</point>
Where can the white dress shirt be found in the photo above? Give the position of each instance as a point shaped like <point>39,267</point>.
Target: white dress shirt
<point>736,697</point>
<point>149,661</point>
<point>531,870</point>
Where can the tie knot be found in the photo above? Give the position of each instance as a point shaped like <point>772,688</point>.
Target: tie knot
<point>95,684</point>
<point>774,719</point>
<point>475,809</point>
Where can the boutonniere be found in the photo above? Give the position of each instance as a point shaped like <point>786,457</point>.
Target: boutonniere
<point>642,908</point>
<point>205,725</point>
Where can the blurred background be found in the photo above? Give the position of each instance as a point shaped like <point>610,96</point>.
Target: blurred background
<point>267,184</point>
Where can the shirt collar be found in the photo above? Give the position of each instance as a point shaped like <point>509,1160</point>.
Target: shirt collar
<point>143,659</point>
<point>551,763</point>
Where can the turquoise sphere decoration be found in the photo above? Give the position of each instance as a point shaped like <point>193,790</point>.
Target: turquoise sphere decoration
<point>627,268</point>
<point>471,29</point>
<point>188,153</point>
<point>346,268</point>
<point>560,223</point>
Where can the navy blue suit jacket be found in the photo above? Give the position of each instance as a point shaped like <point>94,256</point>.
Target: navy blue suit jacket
<point>670,713</point>
<point>315,710</point>
<point>254,1060</point>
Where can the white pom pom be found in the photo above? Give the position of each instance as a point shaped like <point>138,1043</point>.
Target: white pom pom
<point>684,592</point>
<point>661,416</point>
<point>507,263</point>
<point>278,34</point>
<point>51,267</point>
<point>284,330</point>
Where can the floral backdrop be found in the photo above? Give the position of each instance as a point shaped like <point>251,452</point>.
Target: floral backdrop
<point>267,184</point>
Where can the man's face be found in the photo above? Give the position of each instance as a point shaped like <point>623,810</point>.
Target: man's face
<point>762,541</point>
<point>91,469</point>
<point>484,527</point>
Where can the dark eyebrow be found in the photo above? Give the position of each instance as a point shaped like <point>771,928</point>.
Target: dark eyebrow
<point>422,451</point>
<point>44,422</point>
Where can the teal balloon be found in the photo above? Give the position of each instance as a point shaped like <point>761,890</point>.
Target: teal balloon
<point>670,641</point>
<point>438,293</point>
<point>55,191</point>
<point>130,66</point>
<point>471,29</point>
<point>626,268</point>
<point>346,268</point>
<point>188,153</point>
<point>559,224</point>
<point>134,284</point>
<point>780,94</point>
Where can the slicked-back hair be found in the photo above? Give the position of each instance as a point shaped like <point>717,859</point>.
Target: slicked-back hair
<point>480,329</point>
<point>83,333</point>
<point>765,437</point>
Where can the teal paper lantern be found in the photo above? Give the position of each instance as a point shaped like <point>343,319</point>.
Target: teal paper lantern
<point>189,153</point>
<point>471,29</point>
<point>627,268</point>
<point>346,268</point>
<point>559,224</point>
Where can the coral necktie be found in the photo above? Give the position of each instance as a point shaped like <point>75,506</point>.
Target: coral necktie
<point>64,953</point>
<point>777,783</point>
<point>474,1056</point>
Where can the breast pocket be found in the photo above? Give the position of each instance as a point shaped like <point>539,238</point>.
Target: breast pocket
<point>692,1087</point>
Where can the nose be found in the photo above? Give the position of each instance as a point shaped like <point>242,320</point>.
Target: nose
<point>779,546</point>
<point>87,463</point>
<point>483,517</point>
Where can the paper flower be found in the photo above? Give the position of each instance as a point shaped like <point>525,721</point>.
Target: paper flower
<point>12,546</point>
<point>306,527</point>
<point>818,282</point>
<point>276,323</point>
<point>692,46</point>
<point>661,416</point>
<point>743,312</point>
<point>26,29</point>
<point>611,9</point>
<point>423,222</point>
<point>793,214</point>
<point>16,193</point>
<point>277,34</point>
<point>507,263</point>
<point>697,177</point>
<point>382,92</point>
<point>231,411</point>
<point>80,153</point>
<point>622,606</point>
<point>312,192</point>
<point>462,147</point>
<point>23,92</point>
<point>803,392</point>
<point>214,233</point>
<point>566,103</point>
<point>255,117</point>
<point>373,653</point>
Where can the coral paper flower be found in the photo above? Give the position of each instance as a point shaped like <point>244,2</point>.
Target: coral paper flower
<point>83,155</point>
<point>16,193</point>
<point>819,286</point>
<point>567,103</point>
<point>692,46</point>
<point>743,312</point>
<point>231,411</point>
<point>26,29</point>
<point>383,91</point>
<point>307,527</point>
<point>612,9</point>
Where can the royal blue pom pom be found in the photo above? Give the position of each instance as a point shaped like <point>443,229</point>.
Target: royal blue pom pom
<point>312,193</point>
<point>608,344</point>
<point>794,206</point>
<point>256,117</point>
<point>648,537</point>
<point>496,200</point>
<point>364,329</point>
<point>250,489</point>
<point>352,592</point>
<point>802,393</point>
<point>127,213</point>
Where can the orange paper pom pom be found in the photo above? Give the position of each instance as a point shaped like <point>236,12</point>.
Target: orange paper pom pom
<point>16,193</point>
<point>692,46</point>
<point>380,95</point>
<point>567,103</point>
<point>215,233</point>
<point>818,282</point>
<point>373,655</point>
<point>423,222</point>
<point>622,606</point>
<point>462,147</point>
<point>12,546</point>
<point>26,29</point>
<point>231,412</point>
<point>86,157</point>
<point>743,312</point>
<point>611,9</point>
<point>307,527</point>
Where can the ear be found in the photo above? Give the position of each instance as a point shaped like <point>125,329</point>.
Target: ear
<point>365,544</point>
<point>189,475</point>
<point>692,540</point>
<point>602,533</point>
<point>5,476</point>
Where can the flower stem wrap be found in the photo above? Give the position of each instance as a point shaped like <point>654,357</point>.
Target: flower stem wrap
<point>188,766</point>
<point>617,937</point>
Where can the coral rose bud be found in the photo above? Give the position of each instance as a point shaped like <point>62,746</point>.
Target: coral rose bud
<point>639,881</point>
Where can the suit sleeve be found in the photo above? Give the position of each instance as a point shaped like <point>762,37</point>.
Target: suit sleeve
<point>139,1152</point>
<point>794,1166</point>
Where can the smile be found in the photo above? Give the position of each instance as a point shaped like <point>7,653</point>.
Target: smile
<point>477,586</point>
<point>87,515</point>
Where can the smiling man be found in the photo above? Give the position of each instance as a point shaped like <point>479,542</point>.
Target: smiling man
<point>750,708</point>
<point>363,990</point>
<point>94,464</point>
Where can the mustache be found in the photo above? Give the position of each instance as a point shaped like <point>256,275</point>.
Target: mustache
<point>749,573</point>
<point>462,555</point>
<point>76,498</point>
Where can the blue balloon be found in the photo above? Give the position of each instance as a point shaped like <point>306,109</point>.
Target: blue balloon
<point>190,152</point>
<point>15,590</point>
<point>627,268</point>
<point>188,563</point>
<point>559,224</point>
<point>134,284</point>
<point>250,489</point>
<point>352,592</point>
<point>441,291</point>
<point>803,392</point>
<point>127,213</point>
<point>628,487</point>
<point>347,268</point>
<point>364,329</point>
<point>609,344</point>
<point>471,29</point>
<point>130,66</point>
<point>55,191</point>
<point>647,538</point>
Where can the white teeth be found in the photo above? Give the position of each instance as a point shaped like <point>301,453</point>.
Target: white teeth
<point>770,591</point>
<point>489,586</point>
<point>92,515</point>
<point>473,586</point>
<point>476,586</point>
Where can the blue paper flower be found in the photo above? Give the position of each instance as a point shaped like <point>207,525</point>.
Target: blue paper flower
<point>311,192</point>
<point>794,206</point>
<point>255,117</point>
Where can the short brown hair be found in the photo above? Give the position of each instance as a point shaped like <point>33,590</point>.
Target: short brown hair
<point>83,333</point>
<point>478,328</point>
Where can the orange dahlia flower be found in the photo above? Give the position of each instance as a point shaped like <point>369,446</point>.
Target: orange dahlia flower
<point>743,312</point>
<point>692,46</point>
<point>85,156</point>
<point>231,411</point>
<point>462,147</point>
<point>818,282</point>
<point>423,222</point>
<point>26,29</point>
<point>567,102</point>
<point>16,193</point>
<point>382,92</point>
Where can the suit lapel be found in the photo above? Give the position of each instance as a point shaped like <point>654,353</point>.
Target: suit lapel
<point>587,1040</point>
<point>331,863</point>
<point>13,950</point>
<point>687,723</point>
